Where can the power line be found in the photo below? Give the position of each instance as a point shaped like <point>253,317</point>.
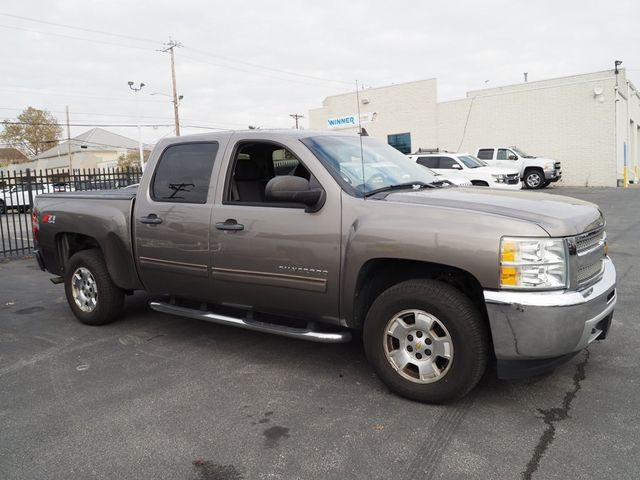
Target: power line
<point>84,39</point>
<point>33,91</point>
<point>229,67</point>
<point>117,125</point>
<point>88,124</point>
<point>246,70</point>
<point>296,117</point>
<point>92,113</point>
<point>213,124</point>
<point>278,70</point>
<point>141,39</point>
<point>73,27</point>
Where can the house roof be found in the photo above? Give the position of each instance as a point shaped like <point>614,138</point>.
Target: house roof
<point>96,139</point>
<point>12,154</point>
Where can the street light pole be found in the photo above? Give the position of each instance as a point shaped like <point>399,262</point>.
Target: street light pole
<point>136,90</point>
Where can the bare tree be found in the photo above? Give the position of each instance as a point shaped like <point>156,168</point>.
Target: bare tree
<point>34,131</point>
<point>132,159</point>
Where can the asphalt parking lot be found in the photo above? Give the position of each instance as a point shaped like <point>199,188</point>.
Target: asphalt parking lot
<point>154,396</point>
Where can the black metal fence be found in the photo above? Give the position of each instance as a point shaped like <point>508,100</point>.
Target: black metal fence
<point>18,190</point>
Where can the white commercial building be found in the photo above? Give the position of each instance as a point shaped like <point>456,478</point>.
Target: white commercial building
<point>589,122</point>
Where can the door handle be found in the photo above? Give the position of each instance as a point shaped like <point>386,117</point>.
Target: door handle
<point>229,224</point>
<point>151,219</point>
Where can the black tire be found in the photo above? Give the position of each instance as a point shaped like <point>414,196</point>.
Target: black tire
<point>463,322</point>
<point>534,179</point>
<point>109,298</point>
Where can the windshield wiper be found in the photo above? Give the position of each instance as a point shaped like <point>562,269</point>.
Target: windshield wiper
<point>400,186</point>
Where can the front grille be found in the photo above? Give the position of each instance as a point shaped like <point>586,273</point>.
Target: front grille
<point>590,249</point>
<point>590,272</point>
<point>556,165</point>
<point>587,242</point>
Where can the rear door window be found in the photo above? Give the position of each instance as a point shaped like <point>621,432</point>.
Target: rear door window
<point>183,173</point>
<point>429,162</point>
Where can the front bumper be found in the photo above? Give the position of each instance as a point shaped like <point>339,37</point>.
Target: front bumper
<point>507,186</point>
<point>548,325</point>
<point>552,175</point>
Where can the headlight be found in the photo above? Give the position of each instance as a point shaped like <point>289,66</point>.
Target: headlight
<point>499,177</point>
<point>549,166</point>
<point>533,263</point>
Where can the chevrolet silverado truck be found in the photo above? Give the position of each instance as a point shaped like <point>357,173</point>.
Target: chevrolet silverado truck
<point>536,172</point>
<point>315,235</point>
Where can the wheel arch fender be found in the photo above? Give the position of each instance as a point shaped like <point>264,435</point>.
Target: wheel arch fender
<point>378,274</point>
<point>116,253</point>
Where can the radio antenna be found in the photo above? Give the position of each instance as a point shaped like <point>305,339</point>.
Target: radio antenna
<point>361,149</point>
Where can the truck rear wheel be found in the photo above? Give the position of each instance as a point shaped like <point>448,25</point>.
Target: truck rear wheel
<point>91,294</point>
<point>426,341</point>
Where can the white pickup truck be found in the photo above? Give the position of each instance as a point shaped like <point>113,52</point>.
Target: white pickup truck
<point>535,172</point>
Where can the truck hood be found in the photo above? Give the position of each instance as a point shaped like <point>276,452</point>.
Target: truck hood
<point>538,160</point>
<point>558,215</point>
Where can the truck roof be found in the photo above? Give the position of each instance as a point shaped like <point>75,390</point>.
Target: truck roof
<point>258,133</point>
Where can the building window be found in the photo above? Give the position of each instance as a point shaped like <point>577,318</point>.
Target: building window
<point>400,141</point>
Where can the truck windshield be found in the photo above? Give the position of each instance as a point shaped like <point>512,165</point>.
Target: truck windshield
<point>471,162</point>
<point>521,152</point>
<point>383,165</point>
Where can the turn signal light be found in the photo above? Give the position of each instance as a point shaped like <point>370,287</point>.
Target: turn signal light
<point>508,276</point>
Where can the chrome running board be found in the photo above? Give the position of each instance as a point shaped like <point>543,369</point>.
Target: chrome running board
<point>250,324</point>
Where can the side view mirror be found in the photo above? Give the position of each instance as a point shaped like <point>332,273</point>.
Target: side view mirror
<point>456,166</point>
<point>292,189</point>
<point>512,157</point>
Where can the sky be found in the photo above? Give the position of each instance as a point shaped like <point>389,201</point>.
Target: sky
<point>256,62</point>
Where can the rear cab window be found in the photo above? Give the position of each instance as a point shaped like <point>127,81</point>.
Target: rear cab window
<point>485,154</point>
<point>183,173</point>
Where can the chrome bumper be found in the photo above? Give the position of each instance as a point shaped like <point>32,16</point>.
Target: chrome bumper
<point>552,175</point>
<point>507,186</point>
<point>535,325</point>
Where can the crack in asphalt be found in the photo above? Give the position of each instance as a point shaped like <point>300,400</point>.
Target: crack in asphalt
<point>551,416</point>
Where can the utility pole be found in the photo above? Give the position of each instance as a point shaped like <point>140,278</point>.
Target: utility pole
<point>296,116</point>
<point>136,90</point>
<point>69,145</point>
<point>171,45</point>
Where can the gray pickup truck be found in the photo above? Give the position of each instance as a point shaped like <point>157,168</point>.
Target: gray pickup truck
<point>314,235</point>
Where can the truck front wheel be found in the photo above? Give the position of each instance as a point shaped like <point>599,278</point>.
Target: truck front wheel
<point>93,297</point>
<point>534,179</point>
<point>426,341</point>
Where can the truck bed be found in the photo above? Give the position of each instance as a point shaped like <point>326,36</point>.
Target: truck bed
<point>121,194</point>
<point>101,215</point>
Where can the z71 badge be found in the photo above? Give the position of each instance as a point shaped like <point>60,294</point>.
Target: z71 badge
<point>46,218</point>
